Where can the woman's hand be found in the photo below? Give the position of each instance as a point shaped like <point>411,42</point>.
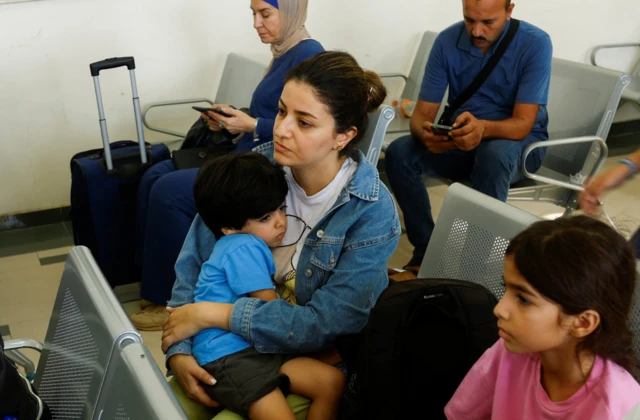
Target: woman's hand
<point>188,320</point>
<point>190,375</point>
<point>183,322</point>
<point>238,122</point>
<point>598,185</point>
<point>213,124</point>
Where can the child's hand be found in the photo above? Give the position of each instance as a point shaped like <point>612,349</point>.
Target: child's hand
<point>600,184</point>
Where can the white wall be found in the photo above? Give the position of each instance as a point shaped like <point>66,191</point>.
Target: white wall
<point>47,104</point>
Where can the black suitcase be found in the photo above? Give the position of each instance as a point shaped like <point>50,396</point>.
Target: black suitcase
<point>104,186</point>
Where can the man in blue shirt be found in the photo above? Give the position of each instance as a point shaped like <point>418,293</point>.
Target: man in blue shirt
<point>490,130</point>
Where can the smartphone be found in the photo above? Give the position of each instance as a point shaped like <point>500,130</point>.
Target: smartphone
<point>442,130</point>
<point>216,110</point>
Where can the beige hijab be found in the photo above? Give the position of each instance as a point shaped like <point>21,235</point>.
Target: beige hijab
<point>293,15</point>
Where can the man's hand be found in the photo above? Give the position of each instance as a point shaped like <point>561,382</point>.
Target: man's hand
<point>468,132</point>
<point>190,375</point>
<point>436,143</point>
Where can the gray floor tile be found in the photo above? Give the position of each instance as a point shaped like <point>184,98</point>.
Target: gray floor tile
<point>5,331</point>
<point>53,260</point>
<point>22,241</point>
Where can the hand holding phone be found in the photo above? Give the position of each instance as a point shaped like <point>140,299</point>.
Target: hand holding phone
<point>216,110</point>
<point>439,129</point>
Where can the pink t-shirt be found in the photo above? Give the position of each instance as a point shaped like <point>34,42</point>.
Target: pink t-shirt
<point>504,385</point>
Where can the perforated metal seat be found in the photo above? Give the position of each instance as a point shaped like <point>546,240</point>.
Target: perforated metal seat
<point>240,78</point>
<point>470,237</point>
<point>85,353</point>
<point>371,143</point>
<point>582,103</point>
<point>632,93</point>
<point>135,389</point>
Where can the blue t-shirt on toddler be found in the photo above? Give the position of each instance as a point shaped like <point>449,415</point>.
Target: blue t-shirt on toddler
<point>239,264</point>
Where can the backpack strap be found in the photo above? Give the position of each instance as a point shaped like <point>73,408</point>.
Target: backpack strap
<point>453,106</point>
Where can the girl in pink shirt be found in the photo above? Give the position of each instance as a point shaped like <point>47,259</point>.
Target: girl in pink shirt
<point>565,350</point>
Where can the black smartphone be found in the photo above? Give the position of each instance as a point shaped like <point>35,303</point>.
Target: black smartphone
<point>216,110</point>
<point>442,130</point>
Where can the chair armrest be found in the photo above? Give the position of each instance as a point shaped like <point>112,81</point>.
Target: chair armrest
<point>550,143</point>
<point>390,75</point>
<point>12,352</point>
<point>610,46</point>
<point>23,343</point>
<point>169,103</point>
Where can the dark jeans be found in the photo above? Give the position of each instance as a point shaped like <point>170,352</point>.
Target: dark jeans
<point>492,167</point>
<point>166,209</point>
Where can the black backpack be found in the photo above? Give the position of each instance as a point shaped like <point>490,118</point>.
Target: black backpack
<point>422,338</point>
<point>18,399</point>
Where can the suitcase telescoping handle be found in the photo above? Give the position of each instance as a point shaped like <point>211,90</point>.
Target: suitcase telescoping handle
<point>111,63</point>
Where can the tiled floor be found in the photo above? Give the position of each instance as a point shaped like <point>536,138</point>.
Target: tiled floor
<point>31,263</point>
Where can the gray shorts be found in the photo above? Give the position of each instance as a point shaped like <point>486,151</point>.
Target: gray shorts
<point>245,377</point>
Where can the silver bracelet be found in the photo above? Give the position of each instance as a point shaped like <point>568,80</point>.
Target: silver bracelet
<point>256,137</point>
<point>631,165</point>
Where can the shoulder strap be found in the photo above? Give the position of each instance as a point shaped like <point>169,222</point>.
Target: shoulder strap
<point>453,106</point>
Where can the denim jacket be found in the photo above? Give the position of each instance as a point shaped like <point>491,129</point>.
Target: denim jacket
<point>341,271</point>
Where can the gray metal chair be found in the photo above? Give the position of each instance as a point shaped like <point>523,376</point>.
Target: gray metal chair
<point>582,103</point>
<point>471,236</point>
<point>134,388</point>
<point>240,78</point>
<point>632,93</point>
<point>413,81</point>
<point>87,331</point>
<point>371,144</point>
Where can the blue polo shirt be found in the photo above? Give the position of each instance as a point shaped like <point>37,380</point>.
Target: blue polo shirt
<point>521,76</point>
<point>239,264</point>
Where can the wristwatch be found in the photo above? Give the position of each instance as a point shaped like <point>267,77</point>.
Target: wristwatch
<point>255,131</point>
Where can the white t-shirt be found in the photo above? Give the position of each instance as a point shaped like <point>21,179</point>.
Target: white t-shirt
<point>304,212</point>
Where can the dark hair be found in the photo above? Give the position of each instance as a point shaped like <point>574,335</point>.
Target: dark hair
<point>348,90</point>
<point>580,263</point>
<point>507,3</point>
<point>233,188</point>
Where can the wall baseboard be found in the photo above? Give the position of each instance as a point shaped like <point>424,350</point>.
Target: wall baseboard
<point>35,218</point>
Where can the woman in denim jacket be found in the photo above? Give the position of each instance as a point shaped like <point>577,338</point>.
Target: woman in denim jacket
<point>340,255</point>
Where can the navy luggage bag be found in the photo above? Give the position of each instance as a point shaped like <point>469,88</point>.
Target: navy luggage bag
<point>104,186</point>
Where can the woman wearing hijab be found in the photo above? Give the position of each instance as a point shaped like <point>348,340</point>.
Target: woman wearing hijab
<point>281,24</point>
<point>166,206</point>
